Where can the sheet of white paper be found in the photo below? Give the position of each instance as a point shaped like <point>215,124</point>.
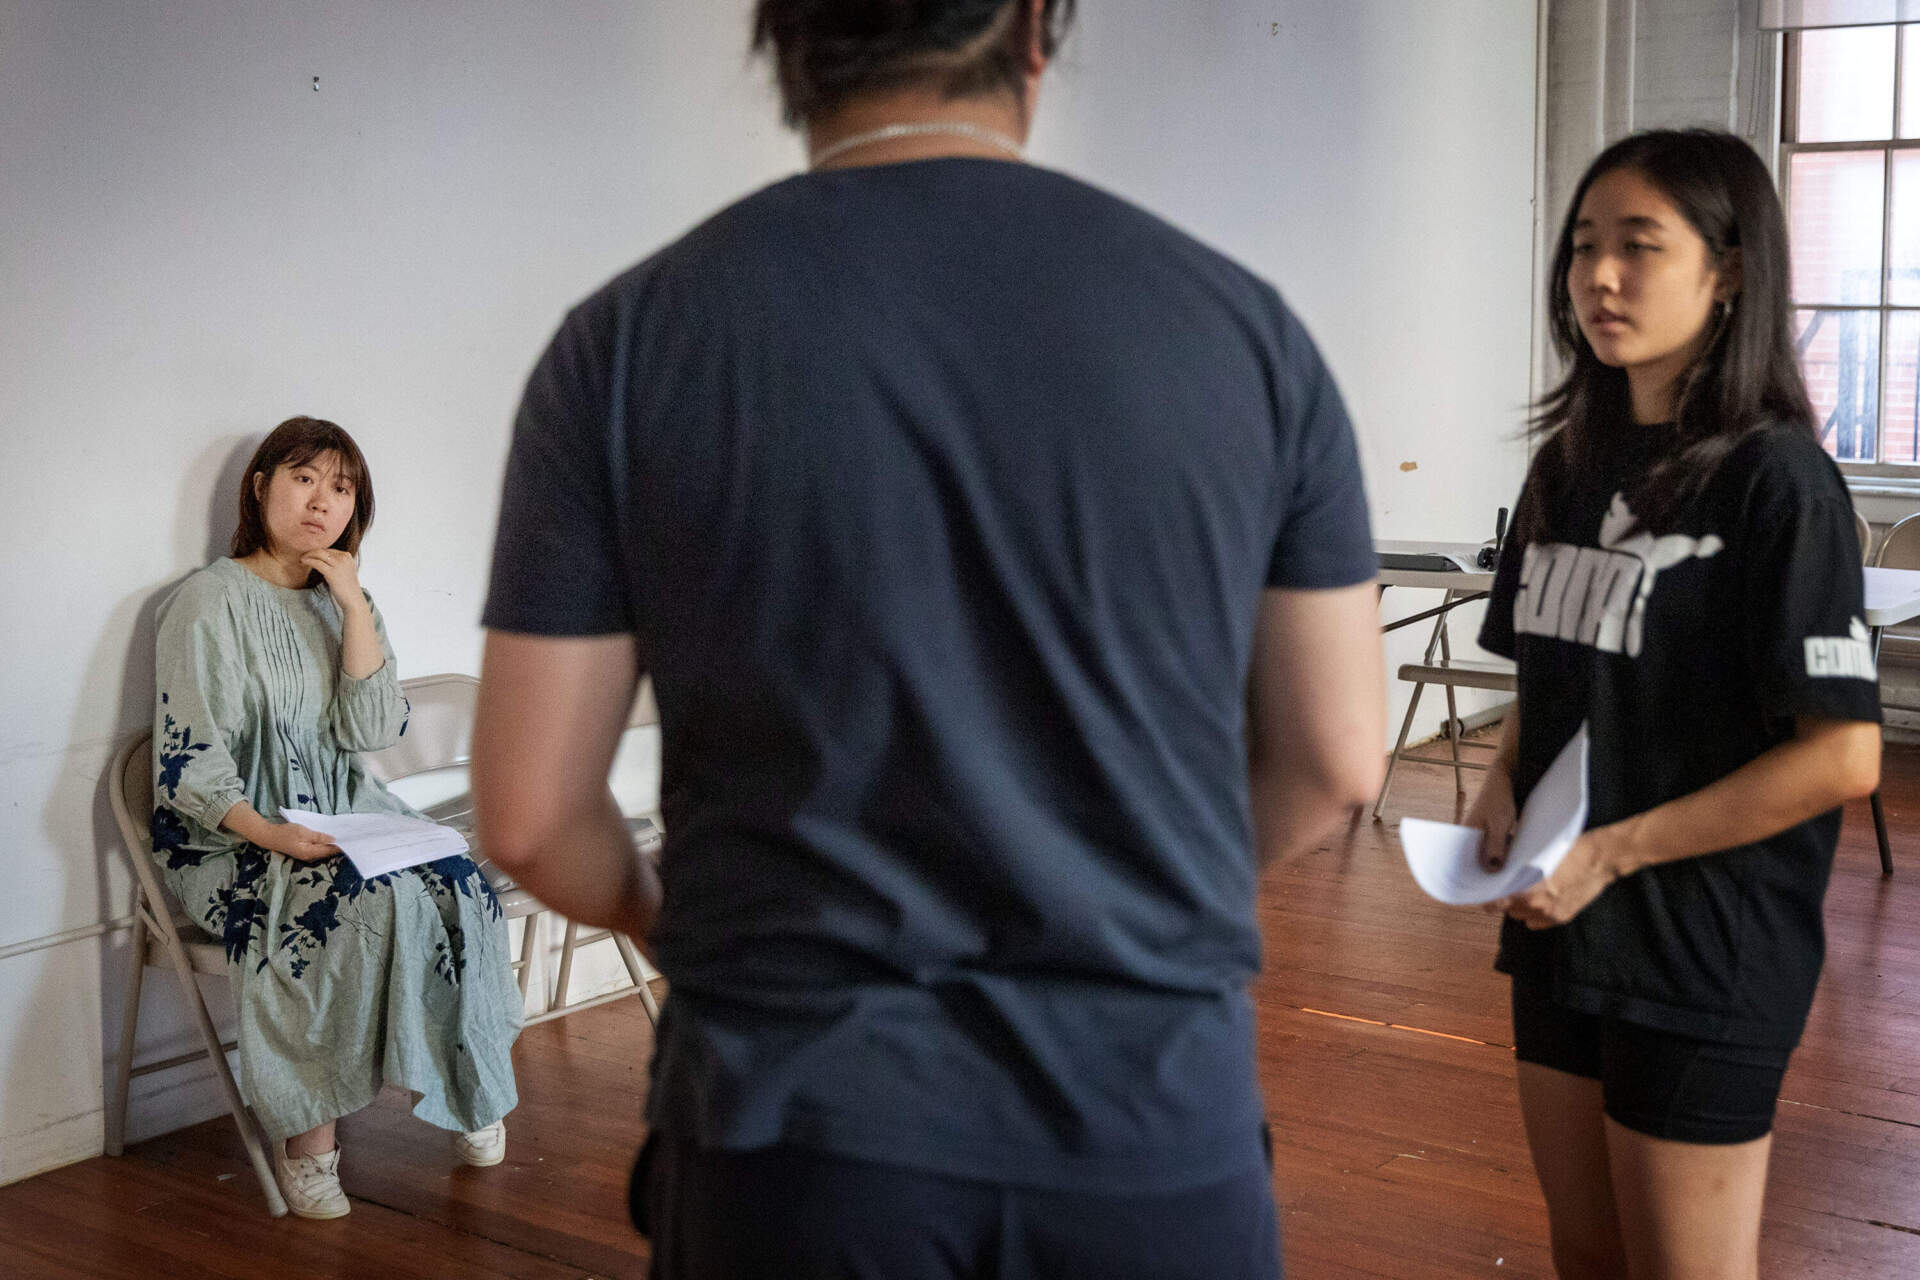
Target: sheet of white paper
<point>1445,858</point>
<point>377,843</point>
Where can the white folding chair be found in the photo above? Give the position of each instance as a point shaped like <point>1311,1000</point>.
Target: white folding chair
<point>1865,531</point>
<point>432,757</point>
<point>1899,549</point>
<point>164,937</point>
<point>1439,666</point>
<point>646,836</point>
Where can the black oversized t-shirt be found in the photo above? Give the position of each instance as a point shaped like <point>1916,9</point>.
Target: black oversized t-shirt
<point>940,498</point>
<point>1688,654</point>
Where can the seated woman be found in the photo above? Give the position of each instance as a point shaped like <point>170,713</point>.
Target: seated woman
<point>272,670</point>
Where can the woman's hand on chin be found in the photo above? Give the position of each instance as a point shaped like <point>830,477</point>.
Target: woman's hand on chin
<point>342,573</point>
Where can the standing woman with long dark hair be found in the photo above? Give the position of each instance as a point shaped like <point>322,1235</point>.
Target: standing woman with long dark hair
<point>1684,579</point>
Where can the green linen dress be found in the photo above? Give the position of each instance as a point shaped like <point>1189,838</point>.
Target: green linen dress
<point>341,983</point>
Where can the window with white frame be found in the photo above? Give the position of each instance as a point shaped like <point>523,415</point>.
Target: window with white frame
<point>1850,177</point>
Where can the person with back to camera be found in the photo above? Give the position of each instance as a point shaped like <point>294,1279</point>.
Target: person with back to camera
<point>1684,579</point>
<point>272,670</point>
<point>1000,558</point>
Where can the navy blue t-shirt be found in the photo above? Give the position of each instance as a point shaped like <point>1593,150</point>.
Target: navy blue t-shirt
<point>940,498</point>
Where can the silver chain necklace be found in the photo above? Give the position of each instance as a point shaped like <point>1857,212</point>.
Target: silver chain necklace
<point>888,132</point>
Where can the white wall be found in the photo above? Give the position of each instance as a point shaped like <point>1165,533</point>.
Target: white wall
<point>199,243</point>
<point>1373,159</point>
<point>1620,65</point>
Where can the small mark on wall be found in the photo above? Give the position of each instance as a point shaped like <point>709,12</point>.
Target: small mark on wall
<point>1409,466</point>
<point>316,84</point>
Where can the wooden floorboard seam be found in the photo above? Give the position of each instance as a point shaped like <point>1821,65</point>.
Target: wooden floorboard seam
<point>438,1223</point>
<point>1866,1222</point>
<point>1842,1111</point>
<point>1402,1026</point>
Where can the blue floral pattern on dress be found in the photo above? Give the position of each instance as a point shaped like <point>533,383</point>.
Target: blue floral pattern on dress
<point>171,837</point>
<point>236,913</point>
<point>174,753</point>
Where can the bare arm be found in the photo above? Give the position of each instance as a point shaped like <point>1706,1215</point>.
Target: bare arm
<point>1316,713</point>
<point>303,844</point>
<point>360,654</point>
<point>551,713</point>
<point>1826,762</point>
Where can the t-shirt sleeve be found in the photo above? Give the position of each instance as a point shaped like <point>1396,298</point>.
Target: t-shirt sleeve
<point>1496,628</point>
<point>556,557</point>
<point>1326,537</point>
<point>1807,641</point>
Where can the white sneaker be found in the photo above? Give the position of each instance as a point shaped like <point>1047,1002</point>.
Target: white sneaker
<point>311,1184</point>
<point>483,1147</point>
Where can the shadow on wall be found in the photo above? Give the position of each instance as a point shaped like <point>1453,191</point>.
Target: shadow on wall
<point>167,1027</point>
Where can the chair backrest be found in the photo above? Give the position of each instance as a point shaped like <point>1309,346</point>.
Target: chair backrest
<point>1865,531</point>
<point>130,796</point>
<point>439,732</point>
<point>1900,549</point>
<point>434,752</point>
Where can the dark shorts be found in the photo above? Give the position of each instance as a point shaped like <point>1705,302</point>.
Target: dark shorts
<point>1653,1082</point>
<point>803,1215</point>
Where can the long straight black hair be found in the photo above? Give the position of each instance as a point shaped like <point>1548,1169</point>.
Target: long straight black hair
<point>1746,377</point>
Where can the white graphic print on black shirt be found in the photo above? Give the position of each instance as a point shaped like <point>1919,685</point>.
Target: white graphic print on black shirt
<point>1850,655</point>
<point>1598,595</point>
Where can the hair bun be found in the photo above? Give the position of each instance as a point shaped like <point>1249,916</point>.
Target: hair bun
<point>943,24</point>
<point>828,50</point>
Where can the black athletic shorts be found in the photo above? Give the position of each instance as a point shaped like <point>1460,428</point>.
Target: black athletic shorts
<point>1653,1082</point>
<point>797,1214</point>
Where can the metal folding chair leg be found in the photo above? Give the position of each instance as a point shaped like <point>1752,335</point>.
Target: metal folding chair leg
<point>529,950</point>
<point>1434,641</point>
<point>129,1029</point>
<point>1879,816</point>
<point>565,976</point>
<point>630,956</point>
<point>250,1135</point>
<point>1399,747</point>
<point>1453,715</point>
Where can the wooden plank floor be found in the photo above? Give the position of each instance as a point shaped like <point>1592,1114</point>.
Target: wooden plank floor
<point>1384,1055</point>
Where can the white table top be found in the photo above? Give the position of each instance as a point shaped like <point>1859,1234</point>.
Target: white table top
<point>1438,579</point>
<point>1893,596</point>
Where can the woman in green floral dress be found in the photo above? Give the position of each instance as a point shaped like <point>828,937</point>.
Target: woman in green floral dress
<point>272,671</point>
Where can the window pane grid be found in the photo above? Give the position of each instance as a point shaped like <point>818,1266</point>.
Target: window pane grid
<point>1900,400</point>
<point>1850,176</point>
<point>1905,83</point>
